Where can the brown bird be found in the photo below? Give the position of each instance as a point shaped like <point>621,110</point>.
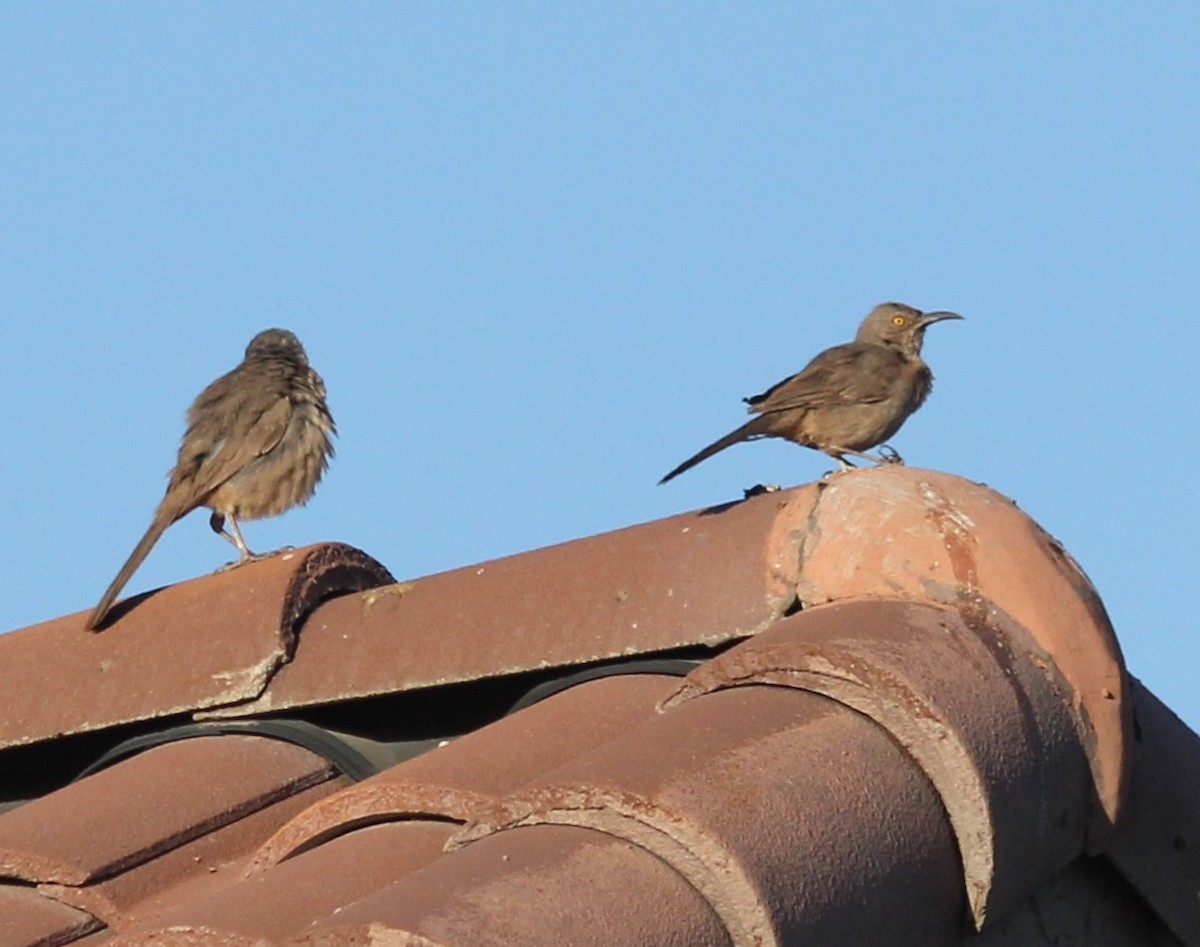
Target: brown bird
<point>850,397</point>
<point>257,441</point>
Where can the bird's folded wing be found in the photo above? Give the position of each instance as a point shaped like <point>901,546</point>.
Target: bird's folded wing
<point>252,436</point>
<point>843,375</point>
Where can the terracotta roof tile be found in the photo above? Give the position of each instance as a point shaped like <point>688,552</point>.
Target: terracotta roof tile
<point>94,829</point>
<point>459,780</point>
<point>712,788</point>
<point>1019,806</point>
<point>161,825</point>
<point>547,885</point>
<point>905,716</point>
<point>1088,905</point>
<point>306,889</point>
<point>186,869</point>
<point>713,576</point>
<point>935,537</point>
<point>30,919</point>
<point>132,671</point>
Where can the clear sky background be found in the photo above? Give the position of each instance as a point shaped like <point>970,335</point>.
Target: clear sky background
<point>540,251</point>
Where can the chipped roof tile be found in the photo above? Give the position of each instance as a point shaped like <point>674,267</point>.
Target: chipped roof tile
<point>29,918</point>
<point>902,687</point>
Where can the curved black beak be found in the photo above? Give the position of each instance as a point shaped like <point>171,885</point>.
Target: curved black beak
<point>929,318</point>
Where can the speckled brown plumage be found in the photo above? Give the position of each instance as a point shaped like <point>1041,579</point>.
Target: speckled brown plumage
<point>850,397</point>
<point>257,442</point>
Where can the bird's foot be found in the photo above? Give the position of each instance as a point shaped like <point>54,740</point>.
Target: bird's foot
<point>254,557</point>
<point>230,566</point>
<point>759,489</point>
<point>889,455</point>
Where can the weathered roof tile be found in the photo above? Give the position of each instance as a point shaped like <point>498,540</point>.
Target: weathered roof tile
<point>459,780</point>
<point>30,919</point>
<point>703,577</point>
<point>905,711</point>
<point>235,628</point>
<point>127,814</point>
<point>538,887</point>
<point>309,888</point>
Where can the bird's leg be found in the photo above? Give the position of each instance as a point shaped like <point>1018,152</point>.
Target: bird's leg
<point>217,522</point>
<point>837,453</point>
<point>247,555</point>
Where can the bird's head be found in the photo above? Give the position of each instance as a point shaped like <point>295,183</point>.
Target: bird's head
<point>274,343</point>
<point>899,326</point>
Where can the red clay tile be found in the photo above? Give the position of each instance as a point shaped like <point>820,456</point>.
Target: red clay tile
<point>905,532</point>
<point>696,578</point>
<point>144,806</point>
<point>30,919</point>
<point>785,810</point>
<point>944,690</point>
<point>951,677</point>
<point>187,871</point>
<point>458,780</point>
<point>235,629</point>
<point>292,897</point>
<point>546,886</point>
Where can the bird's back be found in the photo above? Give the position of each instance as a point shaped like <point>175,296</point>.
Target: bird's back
<point>854,373</point>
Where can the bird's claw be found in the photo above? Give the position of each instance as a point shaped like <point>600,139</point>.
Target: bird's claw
<point>759,489</point>
<point>889,455</point>
<point>254,557</point>
<point>230,566</point>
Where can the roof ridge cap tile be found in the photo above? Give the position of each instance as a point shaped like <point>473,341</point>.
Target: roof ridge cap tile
<point>977,706</point>
<point>904,532</point>
<point>744,841</point>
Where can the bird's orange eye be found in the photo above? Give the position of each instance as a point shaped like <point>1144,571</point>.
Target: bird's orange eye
<point>897,320</point>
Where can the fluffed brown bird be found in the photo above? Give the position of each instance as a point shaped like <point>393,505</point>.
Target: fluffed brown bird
<point>850,397</point>
<point>257,442</point>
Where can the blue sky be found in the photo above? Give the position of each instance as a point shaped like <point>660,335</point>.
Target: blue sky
<point>540,251</point>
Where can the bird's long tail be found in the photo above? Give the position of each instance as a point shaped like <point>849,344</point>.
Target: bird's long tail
<point>746,432</point>
<point>140,551</point>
